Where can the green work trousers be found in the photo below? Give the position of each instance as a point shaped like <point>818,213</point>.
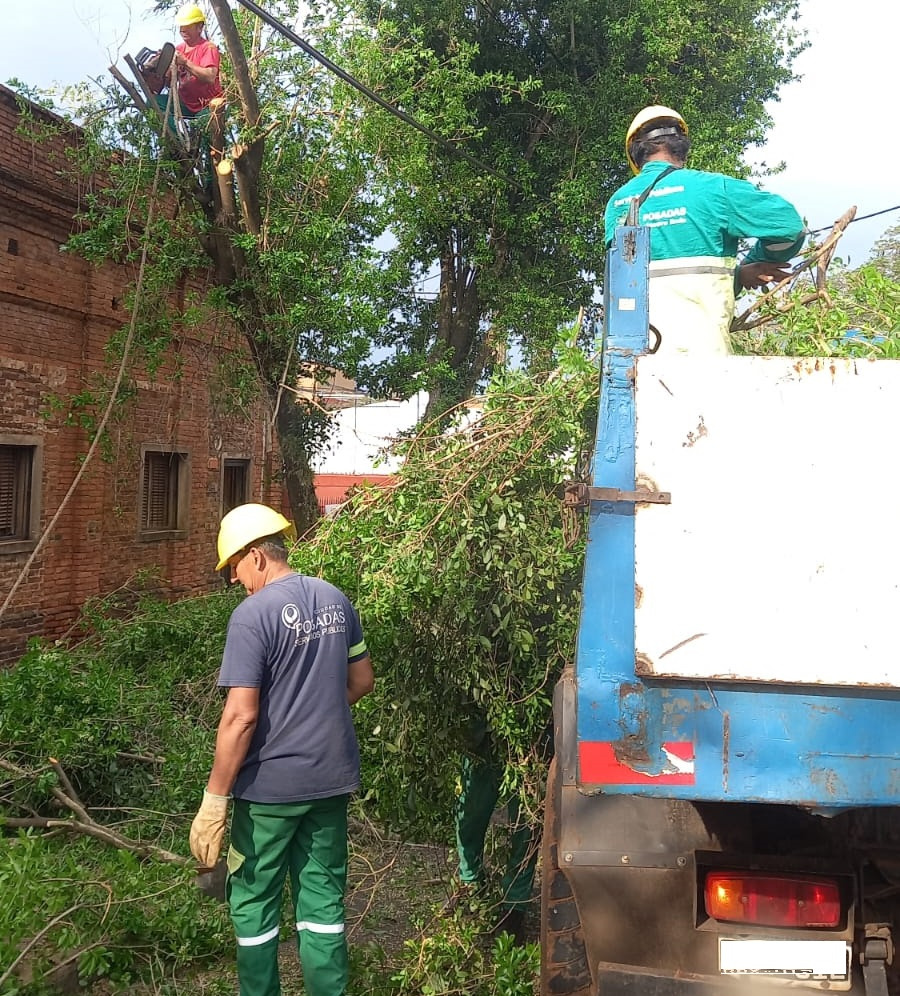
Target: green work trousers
<point>477,801</point>
<point>198,119</point>
<point>306,841</point>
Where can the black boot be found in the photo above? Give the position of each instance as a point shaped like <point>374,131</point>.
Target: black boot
<point>511,922</point>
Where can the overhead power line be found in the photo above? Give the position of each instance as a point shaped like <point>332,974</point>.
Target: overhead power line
<point>350,80</point>
<point>862,217</point>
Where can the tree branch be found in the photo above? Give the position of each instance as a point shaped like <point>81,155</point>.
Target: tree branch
<point>247,158</point>
<point>42,933</point>
<point>239,66</point>
<point>83,823</point>
<point>820,258</point>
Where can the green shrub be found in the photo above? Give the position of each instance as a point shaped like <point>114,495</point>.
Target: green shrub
<point>129,714</point>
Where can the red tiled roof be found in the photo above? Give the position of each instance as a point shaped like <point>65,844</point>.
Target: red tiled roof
<point>331,489</point>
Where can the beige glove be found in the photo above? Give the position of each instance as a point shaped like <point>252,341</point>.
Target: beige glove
<point>208,829</point>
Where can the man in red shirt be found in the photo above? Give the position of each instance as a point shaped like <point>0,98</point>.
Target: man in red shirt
<point>196,62</point>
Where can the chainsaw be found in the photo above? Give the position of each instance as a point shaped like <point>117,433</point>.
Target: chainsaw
<point>154,65</point>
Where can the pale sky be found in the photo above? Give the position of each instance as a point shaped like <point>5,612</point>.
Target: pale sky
<point>834,128</point>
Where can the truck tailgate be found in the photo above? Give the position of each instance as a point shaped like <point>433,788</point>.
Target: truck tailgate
<point>778,558</point>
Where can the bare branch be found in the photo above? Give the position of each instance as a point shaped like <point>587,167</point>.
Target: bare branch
<point>83,823</point>
<point>820,258</point>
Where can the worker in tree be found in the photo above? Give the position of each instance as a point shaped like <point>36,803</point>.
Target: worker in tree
<point>696,220</point>
<point>294,662</point>
<point>197,62</point>
<point>196,69</point>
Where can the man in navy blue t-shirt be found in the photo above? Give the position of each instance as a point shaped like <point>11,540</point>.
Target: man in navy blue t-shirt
<point>295,661</point>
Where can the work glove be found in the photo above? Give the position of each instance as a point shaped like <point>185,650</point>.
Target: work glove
<point>208,829</point>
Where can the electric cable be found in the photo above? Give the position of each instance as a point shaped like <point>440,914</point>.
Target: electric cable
<point>862,217</point>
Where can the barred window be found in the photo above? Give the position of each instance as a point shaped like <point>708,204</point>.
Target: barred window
<point>164,492</point>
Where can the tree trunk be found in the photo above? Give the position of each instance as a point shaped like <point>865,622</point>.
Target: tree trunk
<point>230,216</point>
<point>298,475</point>
<point>459,331</point>
<point>276,364</point>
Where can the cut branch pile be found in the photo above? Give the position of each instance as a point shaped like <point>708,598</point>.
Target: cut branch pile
<point>466,576</point>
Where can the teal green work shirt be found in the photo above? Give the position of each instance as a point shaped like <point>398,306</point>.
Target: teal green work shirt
<point>691,213</point>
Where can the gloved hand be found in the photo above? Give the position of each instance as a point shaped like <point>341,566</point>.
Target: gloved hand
<point>208,829</point>
<point>762,273</point>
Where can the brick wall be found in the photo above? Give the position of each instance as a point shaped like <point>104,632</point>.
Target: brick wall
<point>57,313</point>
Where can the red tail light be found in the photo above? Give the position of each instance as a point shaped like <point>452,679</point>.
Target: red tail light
<point>772,900</point>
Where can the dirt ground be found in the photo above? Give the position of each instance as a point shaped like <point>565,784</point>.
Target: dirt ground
<point>392,886</point>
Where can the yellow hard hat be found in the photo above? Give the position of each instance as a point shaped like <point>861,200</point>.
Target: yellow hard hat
<point>190,13</point>
<point>655,112</point>
<point>245,524</point>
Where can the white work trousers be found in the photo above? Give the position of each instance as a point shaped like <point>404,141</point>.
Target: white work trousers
<point>692,304</point>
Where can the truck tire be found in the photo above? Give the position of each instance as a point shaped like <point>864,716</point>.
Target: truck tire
<point>564,965</point>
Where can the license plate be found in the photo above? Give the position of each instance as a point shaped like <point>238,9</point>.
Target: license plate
<point>811,960</point>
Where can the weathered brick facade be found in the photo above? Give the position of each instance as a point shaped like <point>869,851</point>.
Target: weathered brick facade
<point>57,313</point>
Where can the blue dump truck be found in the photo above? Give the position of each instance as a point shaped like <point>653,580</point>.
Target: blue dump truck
<point>722,808</point>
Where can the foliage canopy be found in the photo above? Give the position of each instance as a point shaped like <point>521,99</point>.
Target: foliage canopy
<point>542,92</point>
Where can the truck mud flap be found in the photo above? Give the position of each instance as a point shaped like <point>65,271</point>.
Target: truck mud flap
<point>564,966</point>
